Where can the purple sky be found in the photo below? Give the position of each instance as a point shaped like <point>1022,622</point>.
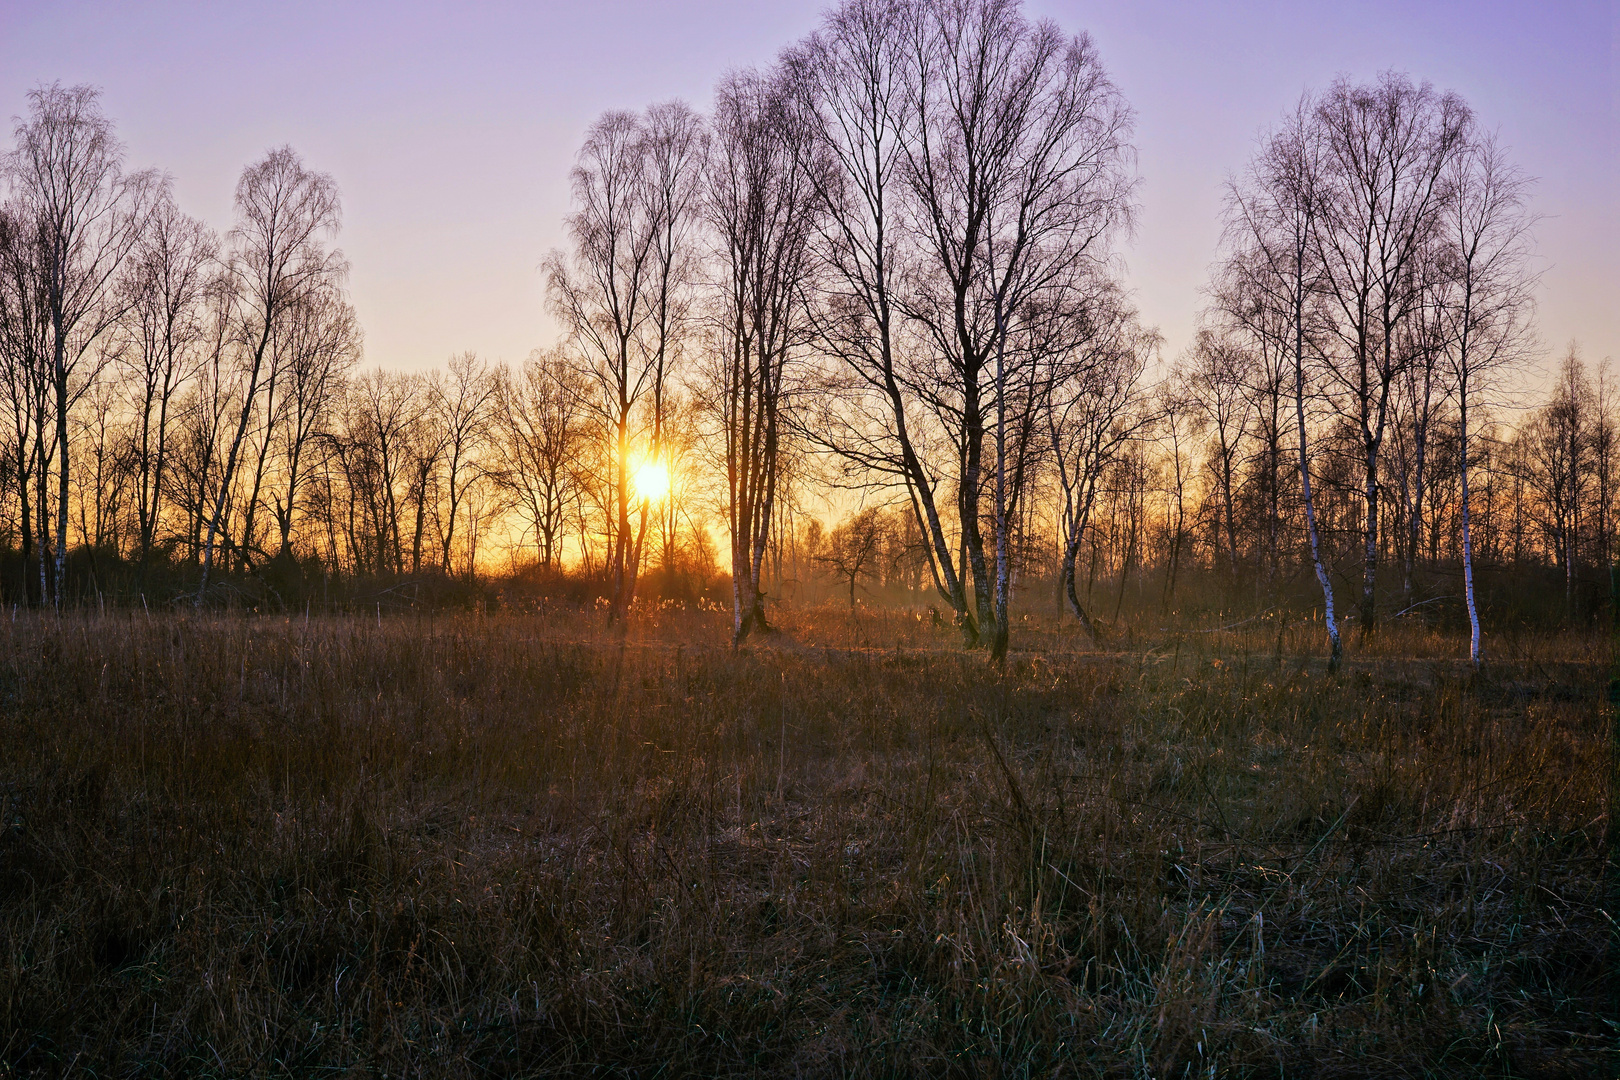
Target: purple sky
<point>451,128</point>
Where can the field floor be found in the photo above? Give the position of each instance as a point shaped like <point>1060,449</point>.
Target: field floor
<point>528,846</point>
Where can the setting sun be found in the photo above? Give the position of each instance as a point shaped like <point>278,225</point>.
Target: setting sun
<point>652,480</point>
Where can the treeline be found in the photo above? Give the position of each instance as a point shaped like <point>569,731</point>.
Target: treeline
<point>884,273</point>
<point>191,405</point>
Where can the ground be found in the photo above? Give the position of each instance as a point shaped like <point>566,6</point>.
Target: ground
<point>537,845</point>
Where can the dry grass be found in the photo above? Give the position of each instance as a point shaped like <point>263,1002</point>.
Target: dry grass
<point>472,846</point>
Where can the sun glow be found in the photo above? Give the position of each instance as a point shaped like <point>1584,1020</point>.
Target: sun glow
<point>651,480</point>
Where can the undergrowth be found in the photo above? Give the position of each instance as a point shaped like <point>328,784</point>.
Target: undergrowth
<point>509,845</point>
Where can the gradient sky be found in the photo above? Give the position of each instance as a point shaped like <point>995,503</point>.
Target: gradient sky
<point>451,128</point>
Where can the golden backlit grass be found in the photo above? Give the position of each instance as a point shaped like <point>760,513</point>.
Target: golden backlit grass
<point>526,846</point>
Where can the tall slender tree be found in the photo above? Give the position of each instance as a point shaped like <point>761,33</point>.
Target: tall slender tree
<point>762,209</point>
<point>279,258</point>
<point>25,348</point>
<point>1017,161</point>
<point>1486,312</point>
<point>461,408</point>
<point>620,296</point>
<point>68,184</point>
<point>1384,152</point>
<point>172,268</point>
<point>858,75</point>
<point>1273,289</point>
<point>541,426</point>
<point>322,341</point>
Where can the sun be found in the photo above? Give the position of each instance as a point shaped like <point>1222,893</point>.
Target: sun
<point>651,480</point>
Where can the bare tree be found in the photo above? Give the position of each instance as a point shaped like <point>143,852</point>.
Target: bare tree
<point>418,446</point>
<point>1419,396</point>
<point>203,418</point>
<point>761,208</point>
<point>1273,290</point>
<point>284,214</point>
<point>1384,155</point>
<point>1216,377</point>
<point>1560,441</point>
<point>619,297</point>
<point>852,549</point>
<point>1018,162</point>
<point>675,147</point>
<point>980,169</point>
<point>25,349</point>
<point>1178,424</point>
<point>1096,412</point>
<point>68,183</point>
<point>372,444</point>
<point>1605,442</point>
<point>1261,325</point>
<point>1487,306</point>
<point>165,326</point>
<point>321,340</point>
<point>460,408</point>
<point>541,424</point>
<point>858,74</point>
<point>690,485</point>
<point>106,471</point>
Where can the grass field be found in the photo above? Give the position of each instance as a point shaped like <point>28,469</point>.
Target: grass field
<point>517,845</point>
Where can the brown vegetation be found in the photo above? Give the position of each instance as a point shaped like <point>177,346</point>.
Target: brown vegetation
<point>471,845</point>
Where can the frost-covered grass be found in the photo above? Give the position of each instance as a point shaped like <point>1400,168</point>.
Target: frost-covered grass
<point>526,846</point>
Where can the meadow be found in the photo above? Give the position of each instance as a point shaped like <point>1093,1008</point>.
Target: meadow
<point>534,845</point>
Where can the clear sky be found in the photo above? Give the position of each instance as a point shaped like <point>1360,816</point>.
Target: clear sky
<point>451,128</point>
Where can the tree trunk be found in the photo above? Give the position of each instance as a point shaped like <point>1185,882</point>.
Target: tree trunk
<point>1336,647</point>
<point>968,503</point>
<point>1369,564</point>
<point>62,474</point>
<point>1474,653</point>
<point>999,632</point>
<point>24,473</point>
<point>1070,551</point>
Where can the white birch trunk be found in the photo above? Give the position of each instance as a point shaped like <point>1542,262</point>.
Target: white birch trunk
<point>1336,647</point>
<point>1474,652</point>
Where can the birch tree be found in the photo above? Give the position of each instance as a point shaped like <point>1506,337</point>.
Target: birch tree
<point>1216,377</point>
<point>279,258</point>
<point>68,184</point>
<point>25,348</point>
<point>461,408</point>
<point>322,341</point>
<point>204,417</point>
<point>858,75</point>
<point>619,297</point>
<point>541,429</point>
<point>1017,160</point>
<point>1384,151</point>
<point>1095,413</point>
<point>1273,290</point>
<point>1419,397</point>
<point>166,326</point>
<point>1487,308</point>
<point>761,209</point>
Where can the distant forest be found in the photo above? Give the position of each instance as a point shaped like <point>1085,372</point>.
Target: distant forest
<point>886,267</point>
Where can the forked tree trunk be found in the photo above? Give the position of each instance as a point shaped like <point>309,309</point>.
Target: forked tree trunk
<point>1071,550</point>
